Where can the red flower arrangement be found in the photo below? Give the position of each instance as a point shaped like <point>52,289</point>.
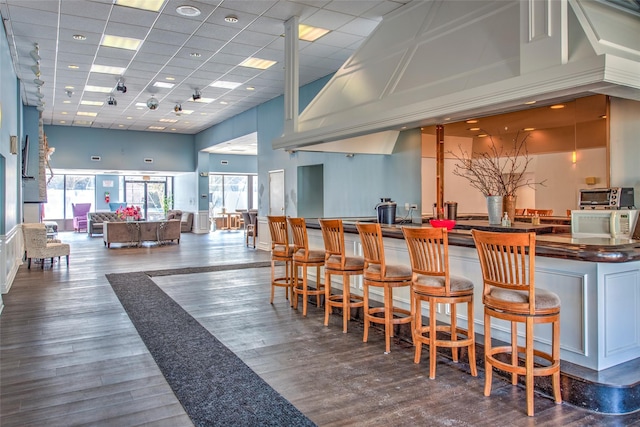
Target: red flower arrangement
<point>128,211</point>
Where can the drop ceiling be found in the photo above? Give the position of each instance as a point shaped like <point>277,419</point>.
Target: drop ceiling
<point>188,52</point>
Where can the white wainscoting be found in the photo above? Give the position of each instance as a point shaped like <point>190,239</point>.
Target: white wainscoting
<point>11,251</point>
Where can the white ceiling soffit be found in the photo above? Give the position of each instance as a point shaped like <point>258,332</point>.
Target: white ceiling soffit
<point>375,143</point>
<point>246,145</point>
<point>426,63</point>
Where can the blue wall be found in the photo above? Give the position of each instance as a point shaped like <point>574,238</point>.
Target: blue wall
<point>234,163</point>
<point>10,124</point>
<point>120,149</point>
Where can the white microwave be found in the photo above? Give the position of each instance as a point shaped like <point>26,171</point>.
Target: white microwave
<point>603,223</point>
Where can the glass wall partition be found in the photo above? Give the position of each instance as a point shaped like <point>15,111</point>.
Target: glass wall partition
<point>153,195</point>
<point>232,192</point>
<point>63,190</point>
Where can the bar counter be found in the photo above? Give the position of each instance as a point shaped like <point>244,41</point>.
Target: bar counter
<point>597,280</point>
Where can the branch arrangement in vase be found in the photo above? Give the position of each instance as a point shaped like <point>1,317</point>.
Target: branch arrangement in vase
<point>497,171</point>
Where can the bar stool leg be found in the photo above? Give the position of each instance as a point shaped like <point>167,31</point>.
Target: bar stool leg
<point>388,316</point>
<point>471,334</point>
<point>432,338</point>
<point>514,351</point>
<point>365,297</point>
<point>555,352</point>
<point>454,332</point>
<point>346,301</point>
<point>417,327</point>
<point>327,296</point>
<point>488,368</point>
<point>529,365</point>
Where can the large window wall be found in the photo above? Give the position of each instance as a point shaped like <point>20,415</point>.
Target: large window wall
<point>63,190</point>
<point>232,192</point>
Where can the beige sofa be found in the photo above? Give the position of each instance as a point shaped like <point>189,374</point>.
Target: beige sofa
<point>96,219</point>
<point>136,232</point>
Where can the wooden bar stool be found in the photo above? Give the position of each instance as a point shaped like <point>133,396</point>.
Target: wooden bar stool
<point>337,262</point>
<point>380,274</point>
<point>508,266</point>
<point>304,257</point>
<point>432,282</point>
<point>281,251</point>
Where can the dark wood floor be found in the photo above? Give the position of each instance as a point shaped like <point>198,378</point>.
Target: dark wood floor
<point>70,355</point>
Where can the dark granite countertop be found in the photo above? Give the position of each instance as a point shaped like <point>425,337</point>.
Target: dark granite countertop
<point>549,242</point>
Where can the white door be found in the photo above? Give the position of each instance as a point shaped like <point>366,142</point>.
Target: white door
<point>276,192</point>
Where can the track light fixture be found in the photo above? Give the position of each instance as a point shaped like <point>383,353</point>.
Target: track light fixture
<point>69,93</point>
<point>35,53</point>
<point>177,109</point>
<point>152,103</point>
<point>120,87</point>
<point>39,93</point>
<point>36,70</point>
<point>111,100</point>
<point>197,95</point>
<point>38,82</point>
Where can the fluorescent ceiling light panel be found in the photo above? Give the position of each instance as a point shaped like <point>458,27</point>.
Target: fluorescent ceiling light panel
<point>225,85</point>
<point>107,69</point>
<point>261,64</point>
<point>309,33</point>
<point>101,89</point>
<point>118,42</point>
<point>202,101</point>
<point>187,112</point>
<point>82,122</point>
<point>92,103</point>
<point>141,104</point>
<point>157,127</point>
<point>168,120</point>
<point>86,113</point>
<point>164,85</point>
<point>152,5</point>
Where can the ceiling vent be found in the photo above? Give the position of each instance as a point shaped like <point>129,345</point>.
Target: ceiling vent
<point>96,158</point>
<point>224,162</point>
<point>148,160</point>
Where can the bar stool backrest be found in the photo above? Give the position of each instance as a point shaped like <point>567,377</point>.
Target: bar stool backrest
<point>333,237</point>
<point>429,252</point>
<point>279,232</point>
<point>507,261</point>
<point>300,240</point>
<point>372,246</point>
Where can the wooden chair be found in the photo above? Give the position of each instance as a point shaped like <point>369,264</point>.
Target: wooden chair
<point>540,212</point>
<point>432,282</point>
<point>249,228</point>
<point>303,257</point>
<point>337,262</point>
<point>281,251</point>
<point>509,293</point>
<point>382,275</point>
<point>38,246</point>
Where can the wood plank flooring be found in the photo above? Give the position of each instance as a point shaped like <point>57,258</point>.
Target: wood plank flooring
<point>70,356</point>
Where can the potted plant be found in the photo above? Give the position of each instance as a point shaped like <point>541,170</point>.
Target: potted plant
<point>497,173</point>
<point>167,203</point>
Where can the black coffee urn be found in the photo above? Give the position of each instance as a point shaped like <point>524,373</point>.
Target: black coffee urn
<point>386,210</point>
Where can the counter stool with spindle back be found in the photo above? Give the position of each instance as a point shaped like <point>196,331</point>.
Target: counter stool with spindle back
<point>432,282</point>
<point>304,257</point>
<point>509,293</point>
<point>337,262</point>
<point>281,251</point>
<point>386,276</point>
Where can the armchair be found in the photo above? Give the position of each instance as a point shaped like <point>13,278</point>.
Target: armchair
<point>37,246</point>
<point>80,211</point>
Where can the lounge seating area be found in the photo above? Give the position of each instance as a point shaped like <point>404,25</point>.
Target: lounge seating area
<point>96,220</point>
<point>137,232</point>
<point>80,211</point>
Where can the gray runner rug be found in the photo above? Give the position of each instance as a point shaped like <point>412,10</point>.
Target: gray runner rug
<point>213,385</point>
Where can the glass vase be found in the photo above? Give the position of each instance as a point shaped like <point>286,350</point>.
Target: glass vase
<point>494,209</point>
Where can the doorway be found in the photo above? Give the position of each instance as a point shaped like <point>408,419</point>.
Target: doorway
<point>276,193</point>
<point>149,195</point>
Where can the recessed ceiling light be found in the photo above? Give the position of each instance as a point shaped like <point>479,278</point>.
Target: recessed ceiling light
<point>164,85</point>
<point>129,117</point>
<point>225,85</point>
<point>66,102</point>
<point>223,102</point>
<point>72,67</point>
<point>92,103</point>
<point>251,88</point>
<point>157,127</point>
<point>261,64</point>
<point>203,100</point>
<point>141,104</point>
<point>171,79</point>
<point>529,129</point>
<point>63,121</point>
<point>120,126</point>
<point>64,112</point>
<point>168,120</point>
<point>195,54</point>
<point>232,19</point>
<point>557,106</point>
<point>472,121</point>
<point>309,33</point>
<point>107,69</point>
<point>152,5</point>
<point>86,113</point>
<point>474,129</point>
<point>79,37</point>
<point>69,87</point>
<point>101,89</point>
<point>188,11</point>
<point>128,43</point>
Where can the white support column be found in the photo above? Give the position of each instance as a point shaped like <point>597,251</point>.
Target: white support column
<point>291,72</point>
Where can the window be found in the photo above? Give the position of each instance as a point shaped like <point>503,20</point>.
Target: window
<point>63,190</point>
<point>232,192</point>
